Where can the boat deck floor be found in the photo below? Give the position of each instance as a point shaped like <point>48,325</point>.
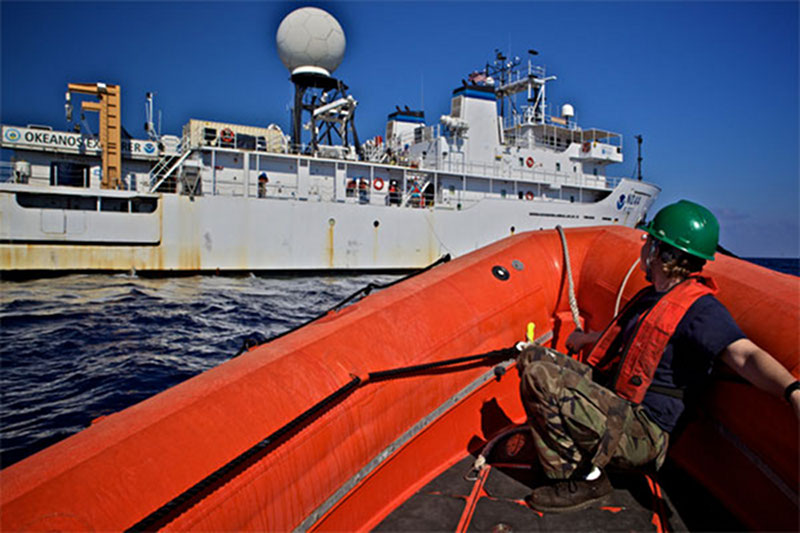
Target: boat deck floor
<point>493,500</point>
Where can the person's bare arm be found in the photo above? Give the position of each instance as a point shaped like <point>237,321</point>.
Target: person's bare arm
<point>761,369</point>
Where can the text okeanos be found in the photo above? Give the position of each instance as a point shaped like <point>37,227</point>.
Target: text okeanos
<point>33,138</point>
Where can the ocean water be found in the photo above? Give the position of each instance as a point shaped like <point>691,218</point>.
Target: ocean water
<point>787,265</point>
<point>77,347</point>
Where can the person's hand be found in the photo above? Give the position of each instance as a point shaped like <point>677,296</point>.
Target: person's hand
<point>578,339</point>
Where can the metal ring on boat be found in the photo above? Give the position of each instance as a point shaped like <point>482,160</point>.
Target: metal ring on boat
<point>378,184</point>
<point>529,162</point>
<point>226,135</point>
<point>529,195</point>
<point>500,273</point>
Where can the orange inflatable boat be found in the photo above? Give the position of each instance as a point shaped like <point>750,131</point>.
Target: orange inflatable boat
<point>350,424</point>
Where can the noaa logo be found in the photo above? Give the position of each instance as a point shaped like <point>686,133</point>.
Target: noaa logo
<point>621,201</point>
<point>12,135</point>
<point>149,148</point>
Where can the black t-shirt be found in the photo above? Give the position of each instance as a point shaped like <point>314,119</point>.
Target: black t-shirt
<point>703,333</point>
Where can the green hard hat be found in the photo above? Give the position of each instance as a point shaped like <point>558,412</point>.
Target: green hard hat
<point>687,226</point>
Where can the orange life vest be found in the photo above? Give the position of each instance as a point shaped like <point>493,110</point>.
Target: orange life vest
<point>637,361</point>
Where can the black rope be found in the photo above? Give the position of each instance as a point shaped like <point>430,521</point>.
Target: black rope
<point>186,500</point>
<point>396,372</point>
<point>258,339</point>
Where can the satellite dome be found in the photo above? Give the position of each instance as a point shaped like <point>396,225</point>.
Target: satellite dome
<point>310,41</point>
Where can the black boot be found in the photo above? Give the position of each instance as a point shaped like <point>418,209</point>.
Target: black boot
<point>569,494</point>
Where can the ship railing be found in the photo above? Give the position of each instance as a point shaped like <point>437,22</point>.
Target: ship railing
<point>521,73</point>
<point>504,171</point>
<point>517,129</point>
<point>528,142</point>
<point>7,172</point>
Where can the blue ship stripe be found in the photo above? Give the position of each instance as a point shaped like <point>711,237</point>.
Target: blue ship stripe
<point>406,118</point>
<point>472,93</point>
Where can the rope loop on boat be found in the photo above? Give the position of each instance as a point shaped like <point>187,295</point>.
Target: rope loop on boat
<point>623,285</point>
<point>187,499</point>
<point>573,302</point>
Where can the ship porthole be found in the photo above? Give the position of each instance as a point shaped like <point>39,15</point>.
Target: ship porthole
<point>518,265</point>
<point>376,223</point>
<point>331,222</point>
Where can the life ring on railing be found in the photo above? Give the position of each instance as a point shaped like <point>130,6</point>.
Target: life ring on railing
<point>529,162</point>
<point>587,146</point>
<point>226,135</point>
<point>378,184</point>
<point>529,195</point>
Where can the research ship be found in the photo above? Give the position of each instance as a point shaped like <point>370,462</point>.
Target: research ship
<point>225,197</point>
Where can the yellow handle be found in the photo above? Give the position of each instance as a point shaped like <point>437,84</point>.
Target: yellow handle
<point>530,333</point>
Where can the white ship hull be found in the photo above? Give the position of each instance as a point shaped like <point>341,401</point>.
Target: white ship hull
<point>229,233</point>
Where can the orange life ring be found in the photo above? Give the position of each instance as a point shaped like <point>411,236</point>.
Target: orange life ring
<point>378,184</point>
<point>529,162</point>
<point>226,135</point>
<point>529,195</point>
<point>587,146</point>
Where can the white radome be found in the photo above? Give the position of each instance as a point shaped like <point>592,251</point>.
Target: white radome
<point>310,40</point>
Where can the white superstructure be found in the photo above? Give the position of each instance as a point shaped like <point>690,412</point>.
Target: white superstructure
<point>227,197</point>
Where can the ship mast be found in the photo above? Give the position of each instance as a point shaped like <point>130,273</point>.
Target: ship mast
<point>512,81</point>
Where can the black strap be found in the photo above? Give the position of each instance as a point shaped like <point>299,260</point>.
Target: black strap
<point>667,391</point>
<point>787,393</point>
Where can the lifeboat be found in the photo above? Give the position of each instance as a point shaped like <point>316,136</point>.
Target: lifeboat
<point>397,411</point>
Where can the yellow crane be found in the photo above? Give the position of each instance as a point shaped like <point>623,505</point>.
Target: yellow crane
<point>108,107</point>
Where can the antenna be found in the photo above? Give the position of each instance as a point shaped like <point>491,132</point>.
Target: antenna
<point>639,158</point>
<point>68,107</point>
<point>422,90</point>
<point>149,127</point>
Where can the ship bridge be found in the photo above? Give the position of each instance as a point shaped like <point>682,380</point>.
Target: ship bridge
<point>595,144</point>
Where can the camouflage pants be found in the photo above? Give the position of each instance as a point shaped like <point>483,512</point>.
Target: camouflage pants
<point>577,423</point>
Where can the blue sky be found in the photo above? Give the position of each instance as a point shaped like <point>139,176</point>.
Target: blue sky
<point>712,87</point>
